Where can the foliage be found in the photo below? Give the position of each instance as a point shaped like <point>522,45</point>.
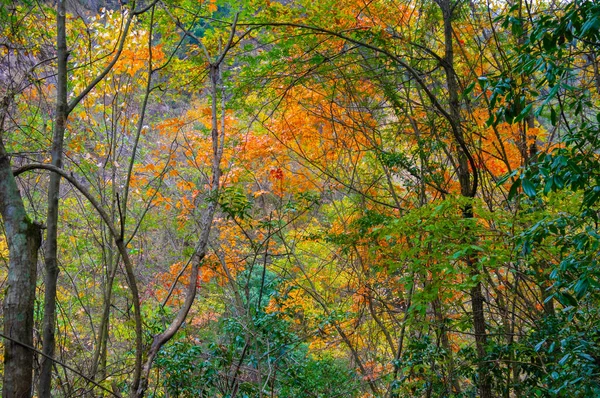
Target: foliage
<point>384,198</point>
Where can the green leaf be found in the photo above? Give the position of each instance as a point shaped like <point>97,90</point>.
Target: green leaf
<point>581,288</point>
<point>528,187</point>
<point>506,177</point>
<point>514,189</point>
<point>468,90</point>
<point>548,186</point>
<point>523,113</point>
<point>566,299</point>
<point>564,359</point>
<point>553,117</point>
<point>539,345</point>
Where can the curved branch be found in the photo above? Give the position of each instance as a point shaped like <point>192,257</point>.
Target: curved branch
<point>131,280</point>
<point>71,179</point>
<point>413,72</point>
<point>112,63</point>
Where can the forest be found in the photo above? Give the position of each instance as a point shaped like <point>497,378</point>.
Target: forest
<point>300,198</point>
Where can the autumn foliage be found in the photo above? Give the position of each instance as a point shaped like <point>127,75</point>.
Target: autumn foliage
<point>305,198</point>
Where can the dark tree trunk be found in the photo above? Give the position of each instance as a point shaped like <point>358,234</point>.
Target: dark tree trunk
<point>467,176</point>
<point>51,258</point>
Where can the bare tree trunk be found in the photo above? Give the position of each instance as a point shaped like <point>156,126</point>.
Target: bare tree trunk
<point>99,357</point>
<point>24,239</point>
<point>217,137</point>
<point>111,261</point>
<point>51,259</point>
<point>207,219</point>
<point>467,175</point>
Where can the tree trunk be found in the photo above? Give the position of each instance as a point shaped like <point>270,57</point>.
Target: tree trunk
<point>24,240</point>
<point>51,259</point>
<point>201,248</point>
<point>98,370</point>
<point>467,176</point>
